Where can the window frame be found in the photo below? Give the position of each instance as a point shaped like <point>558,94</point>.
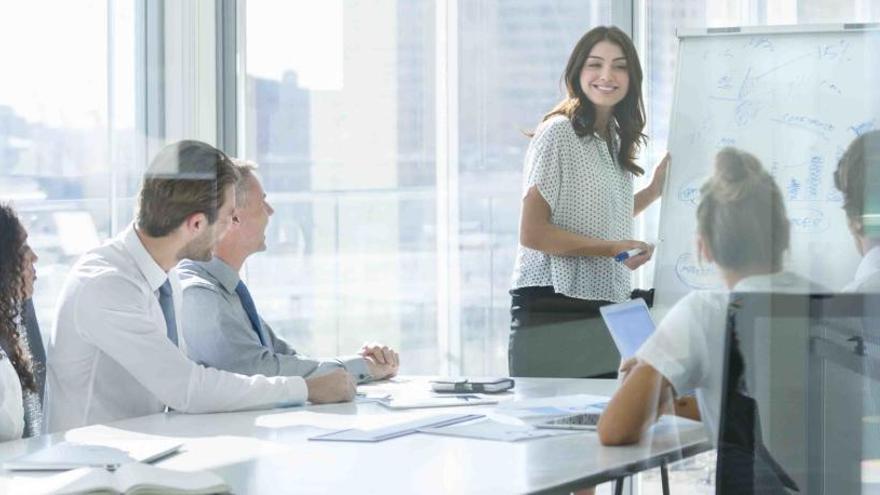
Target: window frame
<point>229,71</point>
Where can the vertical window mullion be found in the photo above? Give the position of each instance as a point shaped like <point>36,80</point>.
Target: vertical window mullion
<point>448,264</point>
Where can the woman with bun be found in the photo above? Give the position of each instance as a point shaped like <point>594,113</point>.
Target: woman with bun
<point>743,228</point>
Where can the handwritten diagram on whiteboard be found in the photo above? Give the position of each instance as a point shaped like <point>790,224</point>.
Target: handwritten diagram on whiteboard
<point>795,100</point>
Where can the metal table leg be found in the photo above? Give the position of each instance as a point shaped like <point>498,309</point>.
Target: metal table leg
<point>664,478</point>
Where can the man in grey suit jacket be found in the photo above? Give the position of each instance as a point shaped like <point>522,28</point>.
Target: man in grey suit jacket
<point>221,324</point>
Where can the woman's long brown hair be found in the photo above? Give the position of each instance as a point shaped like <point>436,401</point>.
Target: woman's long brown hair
<point>12,296</point>
<point>629,112</point>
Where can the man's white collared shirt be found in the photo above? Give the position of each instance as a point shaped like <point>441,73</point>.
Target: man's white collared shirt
<point>867,277</point>
<point>109,356</point>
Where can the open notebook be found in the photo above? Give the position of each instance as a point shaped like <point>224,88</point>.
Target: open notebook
<point>130,479</point>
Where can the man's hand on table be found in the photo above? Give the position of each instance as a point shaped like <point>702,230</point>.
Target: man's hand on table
<point>336,386</point>
<point>382,361</point>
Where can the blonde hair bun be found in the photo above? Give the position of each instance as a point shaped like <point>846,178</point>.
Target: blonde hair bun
<point>741,216</point>
<point>737,173</point>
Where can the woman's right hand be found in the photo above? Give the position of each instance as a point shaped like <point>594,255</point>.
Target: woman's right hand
<point>638,260</point>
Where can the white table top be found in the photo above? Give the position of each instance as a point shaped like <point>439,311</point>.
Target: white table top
<point>269,451</point>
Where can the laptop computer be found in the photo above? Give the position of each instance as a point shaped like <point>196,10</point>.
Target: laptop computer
<point>630,325</point>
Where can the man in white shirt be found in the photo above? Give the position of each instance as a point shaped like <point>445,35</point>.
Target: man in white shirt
<point>858,178</point>
<point>221,323</point>
<point>117,350</point>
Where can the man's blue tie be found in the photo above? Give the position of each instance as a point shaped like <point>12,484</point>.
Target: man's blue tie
<point>247,302</point>
<point>167,304</point>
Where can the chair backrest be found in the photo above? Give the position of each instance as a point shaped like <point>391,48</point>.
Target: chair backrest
<point>794,392</point>
<point>37,349</point>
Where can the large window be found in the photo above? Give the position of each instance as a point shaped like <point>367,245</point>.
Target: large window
<point>390,137</point>
<point>67,113</point>
<point>343,122</point>
<point>511,58</point>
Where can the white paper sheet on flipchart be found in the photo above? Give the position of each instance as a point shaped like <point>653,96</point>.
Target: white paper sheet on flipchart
<point>552,406</point>
<point>495,428</point>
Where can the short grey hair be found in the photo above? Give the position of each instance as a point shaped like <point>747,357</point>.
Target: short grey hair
<point>246,169</point>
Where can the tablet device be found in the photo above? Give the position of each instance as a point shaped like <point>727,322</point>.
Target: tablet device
<point>630,325</point>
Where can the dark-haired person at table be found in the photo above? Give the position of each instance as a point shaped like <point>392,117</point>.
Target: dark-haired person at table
<point>743,228</point>
<point>220,319</point>
<point>858,178</point>
<point>117,350</point>
<point>20,407</point>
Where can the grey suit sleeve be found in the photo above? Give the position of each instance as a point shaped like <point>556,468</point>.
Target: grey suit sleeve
<point>280,345</point>
<point>217,334</point>
<point>356,365</point>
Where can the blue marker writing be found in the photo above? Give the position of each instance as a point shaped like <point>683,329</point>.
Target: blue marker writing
<point>628,254</point>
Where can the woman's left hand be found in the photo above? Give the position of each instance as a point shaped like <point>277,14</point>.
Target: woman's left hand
<point>659,178</point>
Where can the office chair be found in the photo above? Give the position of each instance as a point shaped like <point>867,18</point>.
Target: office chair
<point>794,382</point>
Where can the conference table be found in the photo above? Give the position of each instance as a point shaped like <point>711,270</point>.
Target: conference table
<point>269,451</point>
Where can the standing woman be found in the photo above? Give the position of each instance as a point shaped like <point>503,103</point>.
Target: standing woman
<point>577,214</point>
<point>20,409</point>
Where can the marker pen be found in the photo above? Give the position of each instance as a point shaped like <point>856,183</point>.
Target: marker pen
<point>628,254</point>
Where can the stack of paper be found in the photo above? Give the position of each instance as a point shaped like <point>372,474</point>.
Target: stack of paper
<point>395,430</point>
<point>490,429</point>
<point>543,408</point>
